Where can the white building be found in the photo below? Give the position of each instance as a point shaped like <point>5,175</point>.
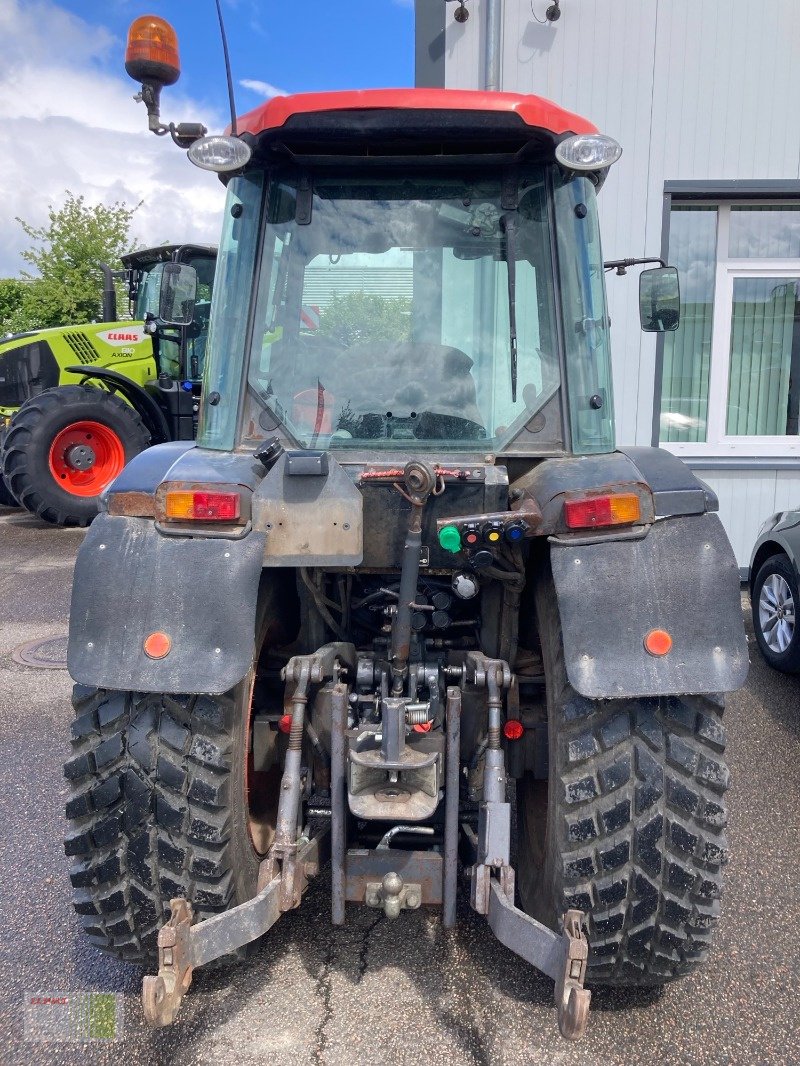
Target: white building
<point>703,96</point>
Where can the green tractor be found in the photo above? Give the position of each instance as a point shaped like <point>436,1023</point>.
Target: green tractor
<point>78,402</point>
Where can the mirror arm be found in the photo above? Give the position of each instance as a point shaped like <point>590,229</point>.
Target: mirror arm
<point>621,265</point>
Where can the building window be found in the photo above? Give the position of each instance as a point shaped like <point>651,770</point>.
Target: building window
<point>731,372</point>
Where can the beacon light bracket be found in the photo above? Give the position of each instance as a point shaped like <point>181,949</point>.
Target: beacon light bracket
<point>151,58</point>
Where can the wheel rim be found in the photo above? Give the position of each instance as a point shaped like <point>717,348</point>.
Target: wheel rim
<point>776,613</point>
<point>85,457</point>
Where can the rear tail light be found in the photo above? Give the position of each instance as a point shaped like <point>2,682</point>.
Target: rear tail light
<point>189,506</point>
<point>617,509</point>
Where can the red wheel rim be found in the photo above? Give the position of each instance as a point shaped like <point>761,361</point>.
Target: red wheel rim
<point>72,445</point>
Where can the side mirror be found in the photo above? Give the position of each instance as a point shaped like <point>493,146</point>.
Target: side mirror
<point>659,300</point>
<point>178,294</point>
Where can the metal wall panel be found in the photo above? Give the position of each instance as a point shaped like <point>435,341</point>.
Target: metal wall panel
<point>747,498</point>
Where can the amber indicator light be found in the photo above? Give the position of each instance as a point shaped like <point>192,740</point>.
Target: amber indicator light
<point>658,642</point>
<point>157,645</point>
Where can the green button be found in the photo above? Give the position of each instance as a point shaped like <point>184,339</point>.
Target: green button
<point>450,539</point>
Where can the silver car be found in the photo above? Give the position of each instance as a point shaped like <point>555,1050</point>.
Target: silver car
<point>774,590</point>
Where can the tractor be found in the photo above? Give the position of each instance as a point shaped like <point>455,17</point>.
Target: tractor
<point>402,582</point>
<point>77,402</point>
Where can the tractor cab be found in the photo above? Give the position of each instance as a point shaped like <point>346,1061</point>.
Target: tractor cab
<point>440,289</point>
<point>179,352</point>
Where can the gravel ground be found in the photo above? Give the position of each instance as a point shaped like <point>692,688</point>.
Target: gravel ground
<point>375,991</point>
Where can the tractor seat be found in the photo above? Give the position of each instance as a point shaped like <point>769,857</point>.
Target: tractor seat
<point>406,377</point>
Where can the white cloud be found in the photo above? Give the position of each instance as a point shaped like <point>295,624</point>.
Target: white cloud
<point>263,88</point>
<point>66,124</point>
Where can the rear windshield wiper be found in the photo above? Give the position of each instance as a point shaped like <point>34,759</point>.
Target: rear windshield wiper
<point>509,229</point>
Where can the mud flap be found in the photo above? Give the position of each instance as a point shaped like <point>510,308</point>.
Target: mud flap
<point>682,577</point>
<point>131,581</point>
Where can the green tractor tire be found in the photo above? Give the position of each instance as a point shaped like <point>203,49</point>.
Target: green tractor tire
<point>64,447</point>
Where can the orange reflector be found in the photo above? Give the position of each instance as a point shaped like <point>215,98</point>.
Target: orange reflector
<point>621,508</point>
<point>157,645</point>
<point>658,642</point>
<point>423,727</point>
<point>190,506</point>
<point>513,729</point>
<point>152,51</point>
<point>285,723</point>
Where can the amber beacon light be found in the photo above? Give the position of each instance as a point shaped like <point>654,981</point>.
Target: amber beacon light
<point>152,52</point>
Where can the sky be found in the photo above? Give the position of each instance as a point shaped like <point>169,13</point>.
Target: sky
<point>68,120</point>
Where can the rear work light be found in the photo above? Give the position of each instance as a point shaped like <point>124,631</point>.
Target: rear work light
<point>190,506</point>
<point>617,509</point>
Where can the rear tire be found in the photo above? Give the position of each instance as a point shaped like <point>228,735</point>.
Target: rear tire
<point>630,826</point>
<point>28,463</point>
<point>158,809</point>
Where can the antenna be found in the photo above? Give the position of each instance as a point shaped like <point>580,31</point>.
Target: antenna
<point>227,68</point>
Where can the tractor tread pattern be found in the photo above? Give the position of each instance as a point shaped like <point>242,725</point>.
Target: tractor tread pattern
<point>148,812</point>
<point>643,834</point>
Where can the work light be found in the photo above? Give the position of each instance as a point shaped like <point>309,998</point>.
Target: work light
<point>219,153</point>
<point>588,151</point>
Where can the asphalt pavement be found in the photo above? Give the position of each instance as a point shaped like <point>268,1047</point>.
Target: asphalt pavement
<point>375,991</point>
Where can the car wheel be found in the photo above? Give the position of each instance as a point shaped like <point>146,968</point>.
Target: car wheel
<point>774,603</point>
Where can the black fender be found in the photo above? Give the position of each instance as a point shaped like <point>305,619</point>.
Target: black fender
<point>130,581</point>
<point>151,413</point>
<point>680,574</point>
<point>182,460</point>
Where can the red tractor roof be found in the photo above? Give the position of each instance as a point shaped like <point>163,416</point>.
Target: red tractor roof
<point>533,110</point>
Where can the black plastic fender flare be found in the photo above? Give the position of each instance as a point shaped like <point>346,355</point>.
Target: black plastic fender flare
<point>680,576</point>
<point>130,581</point>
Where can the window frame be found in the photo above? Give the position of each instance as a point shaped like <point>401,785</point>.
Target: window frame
<point>724,196</point>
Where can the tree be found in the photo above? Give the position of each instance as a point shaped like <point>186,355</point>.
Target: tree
<point>12,298</point>
<point>77,239</point>
<point>363,317</point>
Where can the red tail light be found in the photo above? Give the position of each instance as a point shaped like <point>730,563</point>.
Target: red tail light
<point>190,506</point>
<point>622,508</point>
